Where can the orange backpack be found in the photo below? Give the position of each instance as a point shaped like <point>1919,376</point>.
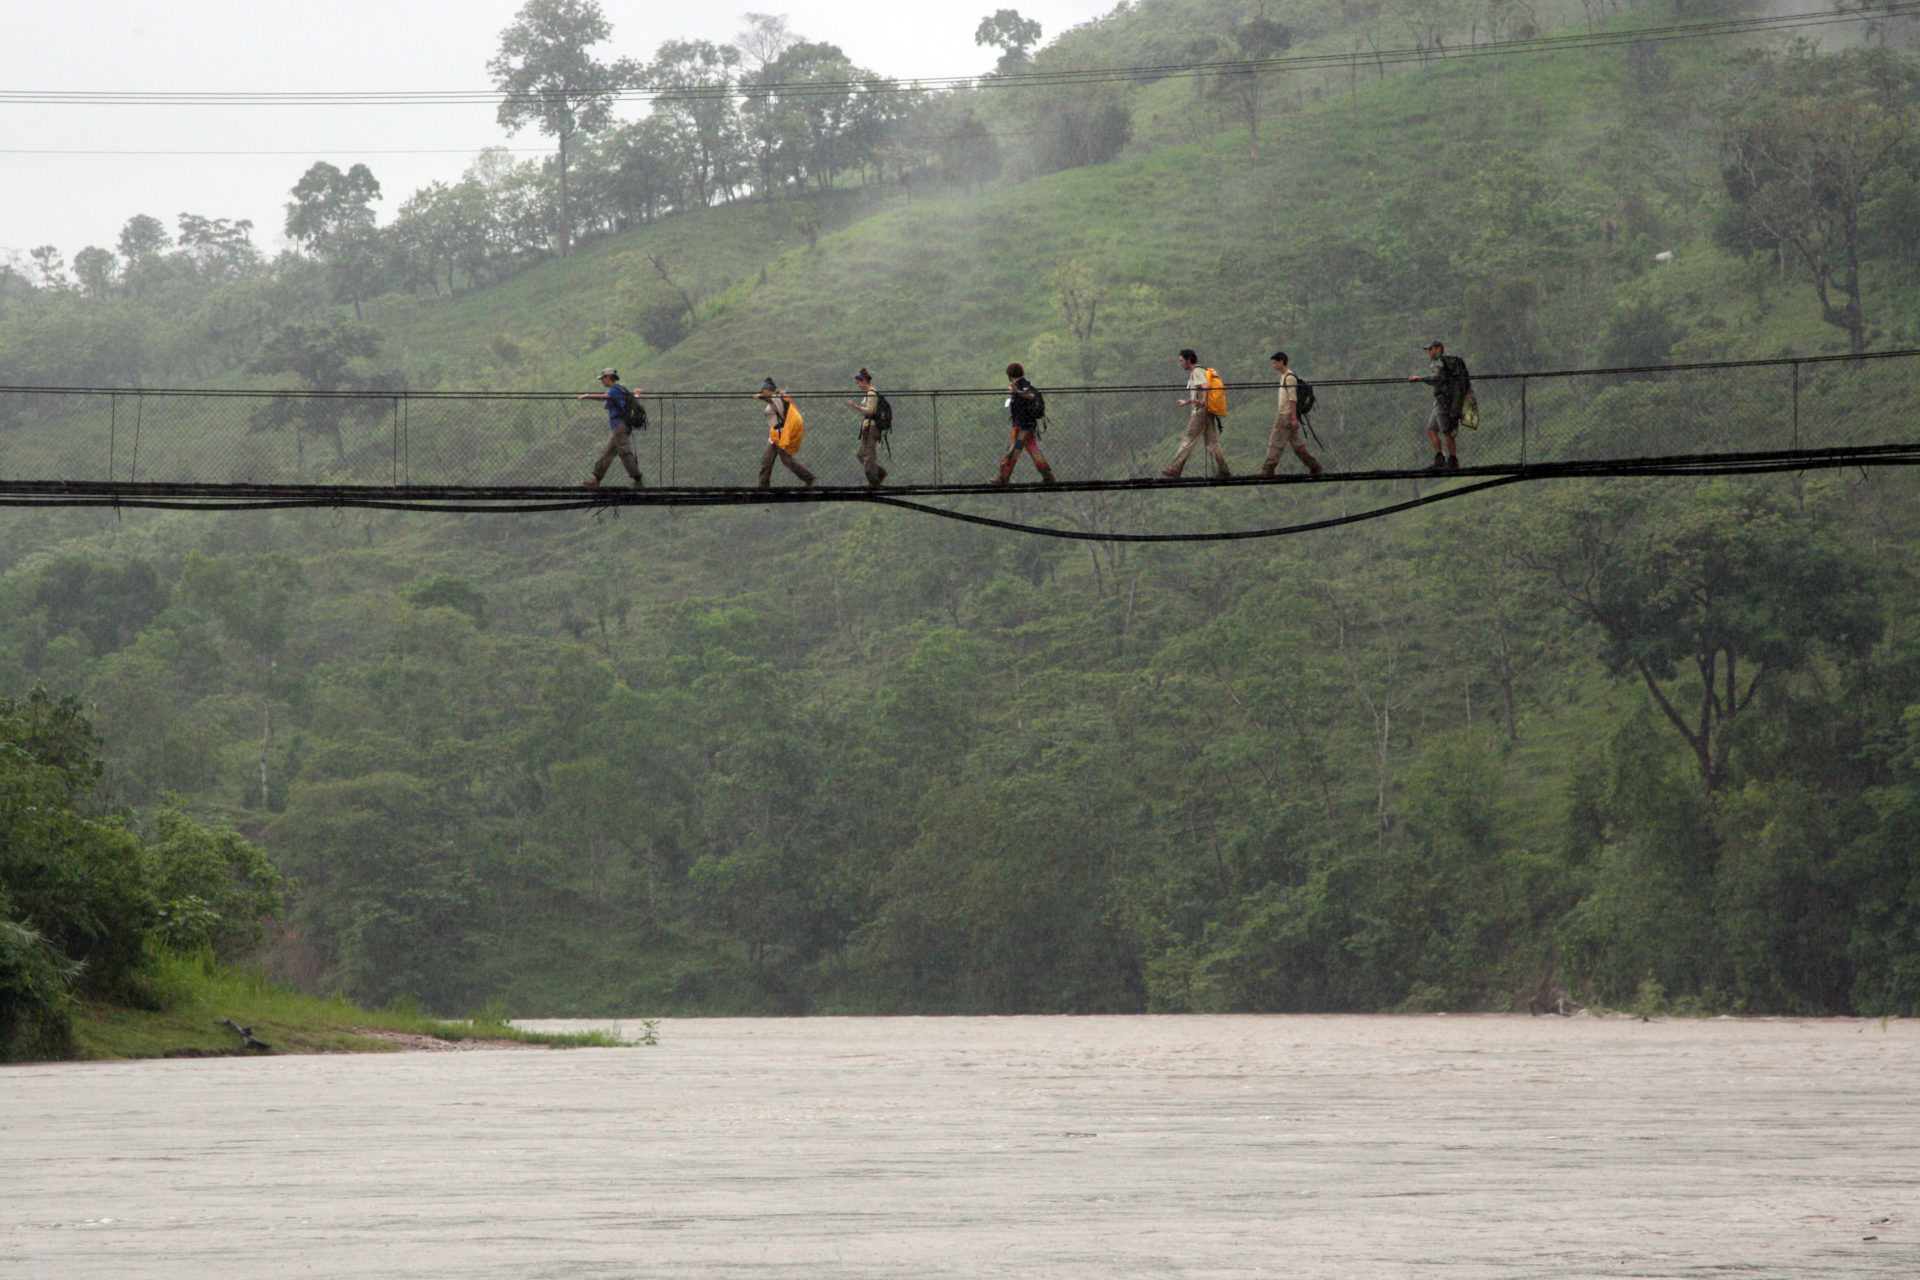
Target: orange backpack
<point>1216,395</point>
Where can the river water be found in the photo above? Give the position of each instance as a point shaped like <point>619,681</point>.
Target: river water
<point>974,1147</point>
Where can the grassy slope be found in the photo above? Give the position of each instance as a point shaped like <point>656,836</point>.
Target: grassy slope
<point>199,997</point>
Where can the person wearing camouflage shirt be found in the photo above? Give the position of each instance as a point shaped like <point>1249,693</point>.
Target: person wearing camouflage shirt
<point>1450,381</point>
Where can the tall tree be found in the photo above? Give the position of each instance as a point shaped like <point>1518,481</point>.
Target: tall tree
<point>142,241</point>
<point>701,115</point>
<point>1242,87</point>
<point>1802,162</point>
<point>547,77</point>
<point>332,214</point>
<point>1708,601</point>
<point>93,266</point>
<point>764,38</point>
<point>1010,33</point>
<point>220,249</point>
<point>322,354</point>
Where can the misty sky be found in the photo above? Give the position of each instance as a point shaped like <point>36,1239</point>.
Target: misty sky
<point>87,192</point>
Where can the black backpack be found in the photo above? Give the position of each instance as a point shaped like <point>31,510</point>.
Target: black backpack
<point>1032,413</point>
<point>633,413</point>
<point>1303,397</point>
<point>883,416</point>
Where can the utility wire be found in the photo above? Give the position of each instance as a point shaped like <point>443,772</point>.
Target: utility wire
<point>1015,80</point>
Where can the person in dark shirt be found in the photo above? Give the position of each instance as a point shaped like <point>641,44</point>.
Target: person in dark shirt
<point>1022,407</point>
<point>619,429</point>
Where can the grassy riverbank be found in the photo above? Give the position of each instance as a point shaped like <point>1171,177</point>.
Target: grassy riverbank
<point>195,999</point>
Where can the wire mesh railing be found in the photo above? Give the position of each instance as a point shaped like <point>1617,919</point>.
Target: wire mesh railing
<point>941,436</point>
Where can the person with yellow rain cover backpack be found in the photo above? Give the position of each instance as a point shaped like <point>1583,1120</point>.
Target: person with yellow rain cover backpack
<point>784,429</point>
<point>1209,405</point>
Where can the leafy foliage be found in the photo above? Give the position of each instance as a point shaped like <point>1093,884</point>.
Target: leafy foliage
<point>1613,743</point>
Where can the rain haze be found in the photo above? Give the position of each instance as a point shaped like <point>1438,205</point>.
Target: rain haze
<point>74,174</point>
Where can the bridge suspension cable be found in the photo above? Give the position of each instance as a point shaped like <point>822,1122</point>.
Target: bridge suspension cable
<point>530,499</point>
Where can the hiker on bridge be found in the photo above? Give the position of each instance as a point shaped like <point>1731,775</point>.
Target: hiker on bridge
<point>784,429</point>
<point>1286,427</point>
<point>876,420</point>
<point>1209,404</point>
<point>1027,409</point>
<point>1452,384</point>
<point>625,413</point>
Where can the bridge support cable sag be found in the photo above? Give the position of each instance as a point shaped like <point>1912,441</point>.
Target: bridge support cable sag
<point>529,499</point>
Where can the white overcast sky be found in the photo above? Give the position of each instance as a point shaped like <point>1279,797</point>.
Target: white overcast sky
<point>107,163</point>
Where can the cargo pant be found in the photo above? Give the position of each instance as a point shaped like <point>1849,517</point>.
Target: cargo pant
<point>1202,427</point>
<point>774,453</point>
<point>1286,435</point>
<point>869,451</point>
<point>619,445</point>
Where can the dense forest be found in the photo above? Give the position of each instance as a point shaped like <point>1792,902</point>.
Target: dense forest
<point>1644,743</point>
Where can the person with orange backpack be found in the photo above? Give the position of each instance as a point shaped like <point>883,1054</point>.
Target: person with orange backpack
<point>1209,405</point>
<point>784,429</point>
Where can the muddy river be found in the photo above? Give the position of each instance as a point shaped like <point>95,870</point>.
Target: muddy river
<point>1293,1147</point>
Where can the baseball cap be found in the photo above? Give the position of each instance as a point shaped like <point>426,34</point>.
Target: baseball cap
<point>610,373</point>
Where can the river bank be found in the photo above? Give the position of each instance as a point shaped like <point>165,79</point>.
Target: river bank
<point>194,1008</point>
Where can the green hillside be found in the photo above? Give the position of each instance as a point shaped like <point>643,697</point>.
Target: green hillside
<point>834,759</point>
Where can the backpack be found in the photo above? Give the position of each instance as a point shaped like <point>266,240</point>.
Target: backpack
<point>883,416</point>
<point>1454,370</point>
<point>791,418</point>
<point>1030,414</point>
<point>1303,397</point>
<point>633,413</point>
<point>1216,395</point>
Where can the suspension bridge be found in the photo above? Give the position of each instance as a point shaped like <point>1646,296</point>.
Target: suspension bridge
<point>517,452</point>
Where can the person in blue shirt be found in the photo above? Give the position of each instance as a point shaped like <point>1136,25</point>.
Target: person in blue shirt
<point>619,428</point>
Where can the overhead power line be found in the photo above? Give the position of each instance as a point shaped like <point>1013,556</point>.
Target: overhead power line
<point>1777,23</point>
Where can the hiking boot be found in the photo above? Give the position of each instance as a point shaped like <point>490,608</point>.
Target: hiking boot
<point>639,482</point>
<point>1266,471</point>
<point>1223,474</point>
<point>1170,474</point>
<point>1315,469</point>
<point>1046,477</point>
<point>591,482</point>
<point>997,481</point>
<point>810,481</point>
<point>1439,462</point>
<point>881,478</point>
<point>1453,462</point>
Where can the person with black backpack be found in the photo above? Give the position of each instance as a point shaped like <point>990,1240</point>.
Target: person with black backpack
<point>625,415</point>
<point>1452,387</point>
<point>1027,408</point>
<point>1295,402</point>
<point>876,420</point>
